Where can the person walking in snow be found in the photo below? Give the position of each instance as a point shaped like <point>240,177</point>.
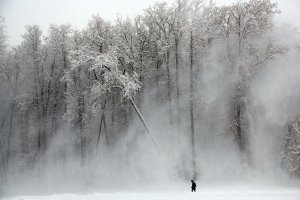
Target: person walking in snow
<point>193,186</point>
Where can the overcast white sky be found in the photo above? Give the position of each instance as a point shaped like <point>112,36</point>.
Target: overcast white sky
<point>19,13</point>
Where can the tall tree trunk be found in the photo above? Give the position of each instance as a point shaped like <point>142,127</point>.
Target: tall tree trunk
<point>105,131</point>
<point>169,87</point>
<point>44,99</point>
<point>38,102</point>
<point>177,81</point>
<point>3,146</point>
<point>192,108</point>
<point>41,124</point>
<point>5,118</point>
<point>157,82</point>
<point>10,132</point>
<point>239,130</point>
<point>142,80</point>
<point>40,138</point>
<point>113,111</point>
<point>240,95</point>
<point>54,113</point>
<point>238,112</point>
<point>82,129</point>
<point>100,126</point>
<point>24,133</point>
<point>44,128</point>
<point>65,84</point>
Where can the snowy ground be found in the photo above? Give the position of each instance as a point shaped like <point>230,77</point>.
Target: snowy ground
<point>202,194</point>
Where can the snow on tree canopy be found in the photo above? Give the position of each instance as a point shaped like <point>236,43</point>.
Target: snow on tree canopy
<point>105,67</point>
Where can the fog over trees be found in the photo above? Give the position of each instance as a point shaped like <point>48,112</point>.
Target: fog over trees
<point>188,90</point>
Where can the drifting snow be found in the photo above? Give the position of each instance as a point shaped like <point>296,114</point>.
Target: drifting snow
<point>202,194</point>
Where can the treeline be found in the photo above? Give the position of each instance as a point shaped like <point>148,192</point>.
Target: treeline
<point>86,80</point>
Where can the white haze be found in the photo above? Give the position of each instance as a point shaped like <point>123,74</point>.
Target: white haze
<point>275,100</point>
<point>133,162</point>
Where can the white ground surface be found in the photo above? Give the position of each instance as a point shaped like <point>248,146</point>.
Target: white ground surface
<point>201,194</point>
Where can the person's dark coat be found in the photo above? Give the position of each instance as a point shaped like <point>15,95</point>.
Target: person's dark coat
<point>193,186</point>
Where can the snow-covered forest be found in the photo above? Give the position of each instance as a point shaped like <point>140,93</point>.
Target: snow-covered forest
<point>189,90</point>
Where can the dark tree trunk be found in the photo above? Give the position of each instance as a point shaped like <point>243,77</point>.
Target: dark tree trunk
<point>82,129</point>
<point>157,82</point>
<point>240,138</point>
<point>169,88</point>
<point>54,113</point>
<point>113,111</point>
<point>100,126</point>
<point>65,84</point>
<point>24,133</point>
<point>177,81</point>
<point>192,109</point>
<point>238,118</point>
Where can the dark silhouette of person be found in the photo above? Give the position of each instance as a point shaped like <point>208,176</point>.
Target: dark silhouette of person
<point>193,186</point>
